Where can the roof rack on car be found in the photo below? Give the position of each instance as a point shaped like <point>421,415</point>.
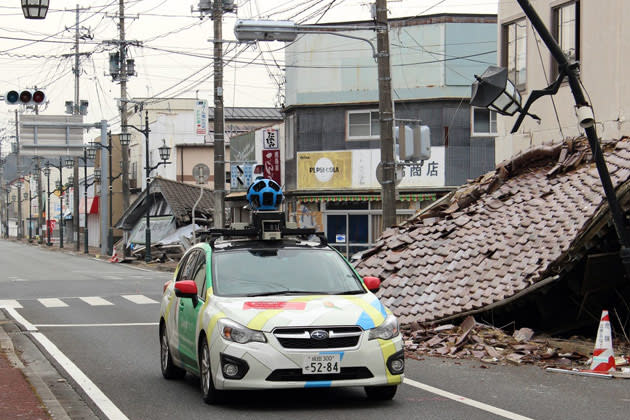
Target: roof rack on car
<point>266,226</point>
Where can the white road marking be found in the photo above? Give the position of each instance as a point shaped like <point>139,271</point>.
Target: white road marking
<point>139,299</point>
<point>21,320</point>
<point>9,303</point>
<point>127,324</point>
<point>91,390</point>
<point>95,301</point>
<point>467,401</point>
<point>52,303</point>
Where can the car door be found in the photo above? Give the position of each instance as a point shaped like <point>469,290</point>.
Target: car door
<point>189,310</point>
<point>172,317</point>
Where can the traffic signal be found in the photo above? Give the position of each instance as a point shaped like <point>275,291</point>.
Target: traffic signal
<point>25,97</point>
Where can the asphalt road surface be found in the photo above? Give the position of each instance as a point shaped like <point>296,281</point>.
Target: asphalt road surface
<point>97,324</point>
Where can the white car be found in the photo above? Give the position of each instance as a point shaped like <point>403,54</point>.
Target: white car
<point>288,313</point>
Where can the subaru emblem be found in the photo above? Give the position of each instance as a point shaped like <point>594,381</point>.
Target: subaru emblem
<point>319,335</point>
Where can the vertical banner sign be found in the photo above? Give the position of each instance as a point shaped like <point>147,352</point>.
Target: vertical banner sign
<point>201,117</point>
<point>270,139</point>
<point>271,165</point>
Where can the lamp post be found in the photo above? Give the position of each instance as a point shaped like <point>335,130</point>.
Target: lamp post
<point>91,154</point>
<point>35,9</point>
<point>18,184</point>
<point>165,153</point>
<point>250,30</point>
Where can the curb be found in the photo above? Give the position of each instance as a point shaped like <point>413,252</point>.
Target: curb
<point>49,401</point>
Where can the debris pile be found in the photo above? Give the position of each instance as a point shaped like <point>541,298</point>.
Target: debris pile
<point>492,345</point>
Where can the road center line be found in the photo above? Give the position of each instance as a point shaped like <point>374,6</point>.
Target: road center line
<point>92,391</point>
<point>467,401</point>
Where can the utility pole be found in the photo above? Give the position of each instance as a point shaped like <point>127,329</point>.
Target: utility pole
<point>386,116</point>
<point>19,174</point>
<point>219,140</point>
<point>75,194</point>
<point>123,104</point>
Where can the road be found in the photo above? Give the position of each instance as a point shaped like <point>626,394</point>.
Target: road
<point>97,324</point>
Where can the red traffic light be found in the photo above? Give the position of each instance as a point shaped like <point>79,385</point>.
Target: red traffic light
<point>38,97</point>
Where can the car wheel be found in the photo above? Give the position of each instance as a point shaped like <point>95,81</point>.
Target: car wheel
<point>381,393</point>
<point>169,370</point>
<point>209,393</point>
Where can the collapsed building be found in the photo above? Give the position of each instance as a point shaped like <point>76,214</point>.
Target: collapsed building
<point>529,244</point>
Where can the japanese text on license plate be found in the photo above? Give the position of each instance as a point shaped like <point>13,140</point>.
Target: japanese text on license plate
<point>319,364</point>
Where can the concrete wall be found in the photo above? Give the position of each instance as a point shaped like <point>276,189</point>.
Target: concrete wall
<point>604,61</point>
<point>325,69</point>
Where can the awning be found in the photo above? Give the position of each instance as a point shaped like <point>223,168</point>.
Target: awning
<point>366,197</point>
<point>92,205</point>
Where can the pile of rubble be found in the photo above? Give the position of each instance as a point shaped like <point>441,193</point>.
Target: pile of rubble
<point>492,345</point>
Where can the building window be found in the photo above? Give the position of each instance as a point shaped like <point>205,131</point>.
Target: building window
<point>515,51</point>
<point>566,29</point>
<point>483,122</point>
<point>363,125</point>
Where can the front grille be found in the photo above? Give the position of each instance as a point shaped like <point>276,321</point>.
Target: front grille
<point>347,373</point>
<point>300,338</point>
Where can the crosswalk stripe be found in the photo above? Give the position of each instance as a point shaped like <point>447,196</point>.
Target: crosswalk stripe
<point>95,301</point>
<point>9,303</point>
<point>139,299</point>
<point>52,303</point>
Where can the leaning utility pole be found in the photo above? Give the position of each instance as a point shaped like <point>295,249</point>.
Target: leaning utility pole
<point>386,116</point>
<point>219,143</point>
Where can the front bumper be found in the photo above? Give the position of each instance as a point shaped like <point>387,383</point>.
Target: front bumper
<point>270,366</point>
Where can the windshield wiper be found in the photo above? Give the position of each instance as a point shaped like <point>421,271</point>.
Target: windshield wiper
<point>285,292</point>
<point>350,292</point>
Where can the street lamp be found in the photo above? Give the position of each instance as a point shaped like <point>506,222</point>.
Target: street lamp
<point>68,162</point>
<point>165,153</point>
<point>35,9</point>
<point>251,30</point>
<point>495,91</point>
<point>59,187</point>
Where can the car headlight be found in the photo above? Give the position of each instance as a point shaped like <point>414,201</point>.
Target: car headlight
<point>238,333</point>
<point>387,330</point>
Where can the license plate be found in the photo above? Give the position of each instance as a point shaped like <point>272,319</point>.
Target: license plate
<point>320,364</point>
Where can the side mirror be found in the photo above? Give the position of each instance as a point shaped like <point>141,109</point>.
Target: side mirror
<point>186,289</point>
<point>372,283</point>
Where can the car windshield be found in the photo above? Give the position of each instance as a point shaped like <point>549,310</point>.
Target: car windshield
<point>265,272</point>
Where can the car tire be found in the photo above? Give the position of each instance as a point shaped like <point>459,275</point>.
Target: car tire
<point>381,393</point>
<point>169,370</point>
<point>208,392</point>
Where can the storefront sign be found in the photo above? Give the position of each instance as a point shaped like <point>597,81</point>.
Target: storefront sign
<point>201,117</point>
<point>270,139</point>
<point>356,169</point>
<point>271,165</point>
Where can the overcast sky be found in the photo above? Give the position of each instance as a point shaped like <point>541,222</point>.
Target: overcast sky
<point>175,59</point>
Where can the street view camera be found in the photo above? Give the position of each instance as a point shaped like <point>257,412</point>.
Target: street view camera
<point>267,221</point>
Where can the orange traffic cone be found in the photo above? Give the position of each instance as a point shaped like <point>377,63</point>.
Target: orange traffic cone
<point>603,355</point>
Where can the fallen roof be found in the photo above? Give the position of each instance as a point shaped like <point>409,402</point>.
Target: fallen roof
<point>180,197</point>
<point>499,236</point>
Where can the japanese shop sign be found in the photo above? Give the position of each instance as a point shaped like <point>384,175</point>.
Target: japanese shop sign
<point>270,139</point>
<point>201,117</point>
<point>271,165</point>
<point>357,169</point>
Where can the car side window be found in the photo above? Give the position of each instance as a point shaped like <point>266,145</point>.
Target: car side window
<point>200,277</point>
<point>183,266</point>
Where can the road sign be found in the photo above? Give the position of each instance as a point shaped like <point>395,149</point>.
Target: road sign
<point>201,173</point>
<point>51,135</point>
<point>241,176</point>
